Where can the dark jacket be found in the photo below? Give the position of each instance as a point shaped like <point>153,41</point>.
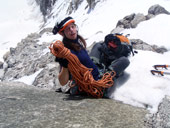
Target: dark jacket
<point>104,55</point>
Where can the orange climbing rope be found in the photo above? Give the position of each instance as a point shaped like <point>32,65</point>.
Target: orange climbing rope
<point>81,74</point>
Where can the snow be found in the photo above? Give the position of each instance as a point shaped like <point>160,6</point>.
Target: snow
<point>154,31</point>
<point>142,89</point>
<point>29,79</point>
<point>17,19</point>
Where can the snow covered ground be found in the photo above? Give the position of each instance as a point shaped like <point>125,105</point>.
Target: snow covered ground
<point>142,87</point>
<point>17,19</point>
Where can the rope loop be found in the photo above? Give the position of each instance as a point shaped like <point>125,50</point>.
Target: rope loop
<point>81,74</point>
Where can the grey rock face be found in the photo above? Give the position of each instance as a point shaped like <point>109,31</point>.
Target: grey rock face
<point>74,4</point>
<point>23,106</point>
<point>126,21</point>
<point>132,20</point>
<point>157,9</point>
<point>46,79</point>
<point>30,57</point>
<point>92,3</point>
<point>140,45</point>
<point>137,19</point>
<point>1,65</point>
<point>45,6</point>
<point>160,119</point>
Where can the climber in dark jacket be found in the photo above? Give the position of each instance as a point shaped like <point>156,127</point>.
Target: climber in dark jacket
<point>77,45</point>
<point>111,55</point>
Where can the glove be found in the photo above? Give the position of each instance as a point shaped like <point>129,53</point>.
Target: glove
<point>126,50</point>
<point>111,37</point>
<point>62,62</point>
<point>123,50</point>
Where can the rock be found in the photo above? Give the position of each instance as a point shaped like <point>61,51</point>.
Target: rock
<point>24,106</point>
<point>149,16</point>
<point>157,9</point>
<point>45,79</point>
<point>126,21</point>
<point>1,65</point>
<point>132,20</point>
<point>160,119</point>
<point>74,6</point>
<point>28,58</point>
<point>159,49</point>
<point>92,3</point>
<point>137,19</point>
<point>141,45</point>
<point>1,74</point>
<point>45,6</point>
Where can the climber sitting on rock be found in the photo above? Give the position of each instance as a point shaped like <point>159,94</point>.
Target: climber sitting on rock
<point>77,45</point>
<point>111,55</point>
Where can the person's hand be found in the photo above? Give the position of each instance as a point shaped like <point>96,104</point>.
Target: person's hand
<point>62,62</point>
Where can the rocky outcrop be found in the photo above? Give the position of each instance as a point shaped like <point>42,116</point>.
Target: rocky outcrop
<point>92,3</point>
<point>161,118</point>
<point>23,106</point>
<point>46,6</point>
<point>141,45</point>
<point>157,9</point>
<point>132,20</point>
<point>28,58</point>
<point>74,4</point>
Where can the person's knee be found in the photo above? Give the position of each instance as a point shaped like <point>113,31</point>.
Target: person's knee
<point>125,61</point>
<point>119,65</point>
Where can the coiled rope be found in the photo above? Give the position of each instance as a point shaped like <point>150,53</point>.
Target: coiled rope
<point>81,74</point>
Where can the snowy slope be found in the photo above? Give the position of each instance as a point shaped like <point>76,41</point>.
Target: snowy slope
<point>142,88</point>
<point>104,18</point>
<point>17,19</point>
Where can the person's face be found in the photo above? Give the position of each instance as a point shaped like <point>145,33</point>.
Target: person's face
<point>71,31</point>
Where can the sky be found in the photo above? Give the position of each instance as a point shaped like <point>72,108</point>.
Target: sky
<point>138,87</point>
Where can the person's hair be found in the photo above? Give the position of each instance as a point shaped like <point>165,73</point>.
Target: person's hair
<point>75,46</point>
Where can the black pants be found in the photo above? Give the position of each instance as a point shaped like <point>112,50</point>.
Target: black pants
<point>119,65</point>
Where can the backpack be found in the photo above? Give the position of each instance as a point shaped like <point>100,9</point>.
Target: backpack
<point>124,40</point>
